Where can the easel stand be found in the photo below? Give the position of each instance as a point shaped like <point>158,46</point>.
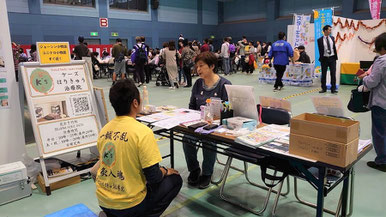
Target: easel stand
<point>65,111</point>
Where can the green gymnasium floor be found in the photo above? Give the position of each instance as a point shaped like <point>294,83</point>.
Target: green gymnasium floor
<point>369,183</point>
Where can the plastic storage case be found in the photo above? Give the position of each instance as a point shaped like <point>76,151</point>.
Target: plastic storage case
<point>14,182</point>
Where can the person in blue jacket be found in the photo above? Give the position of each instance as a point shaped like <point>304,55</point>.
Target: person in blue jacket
<point>281,52</point>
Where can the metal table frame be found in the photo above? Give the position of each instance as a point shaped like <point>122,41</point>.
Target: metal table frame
<point>222,145</point>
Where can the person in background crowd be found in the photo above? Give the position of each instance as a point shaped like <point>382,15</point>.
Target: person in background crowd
<point>251,58</point>
<point>181,73</point>
<point>208,85</point>
<point>258,49</point>
<point>296,54</point>
<point>304,58</point>
<point>170,55</point>
<point>131,163</point>
<point>181,37</point>
<point>205,46</point>
<point>242,44</point>
<point>328,57</point>
<point>33,54</point>
<point>211,47</point>
<point>151,65</point>
<point>22,56</point>
<point>281,52</point>
<point>232,55</point>
<point>164,46</point>
<point>376,82</point>
<point>188,55</point>
<point>81,49</point>
<point>269,47</point>
<point>196,47</point>
<point>225,53</point>
<point>264,49</point>
<point>139,58</point>
<point>119,52</point>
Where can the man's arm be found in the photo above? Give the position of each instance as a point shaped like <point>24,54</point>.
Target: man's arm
<point>155,174</point>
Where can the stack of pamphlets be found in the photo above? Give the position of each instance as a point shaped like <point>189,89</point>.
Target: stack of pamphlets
<point>263,135</point>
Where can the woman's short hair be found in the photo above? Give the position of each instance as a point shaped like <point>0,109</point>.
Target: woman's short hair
<point>380,42</point>
<point>122,95</point>
<point>172,45</point>
<point>208,58</point>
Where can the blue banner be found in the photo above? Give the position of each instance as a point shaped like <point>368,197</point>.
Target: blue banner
<point>321,18</point>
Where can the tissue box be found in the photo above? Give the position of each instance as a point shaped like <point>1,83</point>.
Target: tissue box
<point>240,122</point>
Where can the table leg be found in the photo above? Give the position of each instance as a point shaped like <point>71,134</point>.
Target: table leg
<point>171,148</point>
<point>345,194</point>
<point>320,185</point>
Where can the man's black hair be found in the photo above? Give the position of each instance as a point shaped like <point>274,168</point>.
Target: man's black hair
<point>122,95</point>
<point>81,39</point>
<point>380,42</point>
<point>118,40</point>
<point>301,47</point>
<point>281,35</point>
<point>325,28</point>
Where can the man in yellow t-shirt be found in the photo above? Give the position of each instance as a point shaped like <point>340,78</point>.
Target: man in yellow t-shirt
<point>130,181</point>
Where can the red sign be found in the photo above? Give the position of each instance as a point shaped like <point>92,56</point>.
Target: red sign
<point>103,22</point>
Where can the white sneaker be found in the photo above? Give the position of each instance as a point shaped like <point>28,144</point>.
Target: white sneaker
<point>275,90</point>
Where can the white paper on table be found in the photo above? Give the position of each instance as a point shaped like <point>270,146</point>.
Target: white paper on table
<point>165,115</point>
<point>189,115</point>
<point>328,105</point>
<point>363,144</point>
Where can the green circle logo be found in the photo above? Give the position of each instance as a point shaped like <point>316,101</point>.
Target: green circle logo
<point>41,81</point>
<point>109,154</point>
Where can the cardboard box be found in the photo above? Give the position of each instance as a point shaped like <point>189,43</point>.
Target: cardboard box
<point>57,185</point>
<point>330,152</point>
<point>325,127</point>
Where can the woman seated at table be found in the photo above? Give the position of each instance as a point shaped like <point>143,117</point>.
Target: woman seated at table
<point>208,85</point>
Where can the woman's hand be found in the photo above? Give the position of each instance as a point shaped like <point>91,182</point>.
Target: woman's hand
<point>363,75</point>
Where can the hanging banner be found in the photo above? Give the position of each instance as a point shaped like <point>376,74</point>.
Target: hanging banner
<point>322,17</point>
<point>375,8</point>
<point>301,23</point>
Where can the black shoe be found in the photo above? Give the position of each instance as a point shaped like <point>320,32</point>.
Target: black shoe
<point>322,91</point>
<point>334,91</point>
<point>188,86</point>
<point>194,177</point>
<point>380,167</point>
<point>140,84</point>
<point>204,181</point>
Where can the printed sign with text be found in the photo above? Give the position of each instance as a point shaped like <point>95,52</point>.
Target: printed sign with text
<point>53,52</point>
<point>45,81</point>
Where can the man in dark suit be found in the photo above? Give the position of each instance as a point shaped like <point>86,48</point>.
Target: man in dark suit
<point>328,58</point>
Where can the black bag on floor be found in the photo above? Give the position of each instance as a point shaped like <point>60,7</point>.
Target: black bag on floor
<point>358,101</point>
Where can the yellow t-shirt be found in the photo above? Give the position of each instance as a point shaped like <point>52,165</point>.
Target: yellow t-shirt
<point>125,147</point>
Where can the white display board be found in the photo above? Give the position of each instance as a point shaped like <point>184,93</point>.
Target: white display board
<point>64,113</point>
<point>12,144</point>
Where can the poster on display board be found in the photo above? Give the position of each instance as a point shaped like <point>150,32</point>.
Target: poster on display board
<point>322,17</point>
<point>63,105</point>
<point>301,29</point>
<point>4,94</point>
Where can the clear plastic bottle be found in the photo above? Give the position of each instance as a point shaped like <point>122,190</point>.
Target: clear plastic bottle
<point>145,96</point>
<point>208,112</point>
